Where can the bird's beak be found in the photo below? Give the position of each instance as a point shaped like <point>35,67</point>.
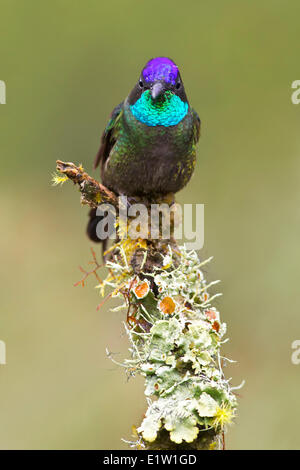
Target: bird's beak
<point>157,90</point>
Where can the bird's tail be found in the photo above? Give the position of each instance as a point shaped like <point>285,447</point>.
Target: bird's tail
<point>91,230</point>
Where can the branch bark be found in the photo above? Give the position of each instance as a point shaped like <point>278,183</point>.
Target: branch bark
<point>93,193</point>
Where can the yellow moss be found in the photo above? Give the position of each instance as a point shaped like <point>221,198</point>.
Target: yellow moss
<point>58,179</point>
<point>224,415</point>
<point>98,198</point>
<point>128,247</point>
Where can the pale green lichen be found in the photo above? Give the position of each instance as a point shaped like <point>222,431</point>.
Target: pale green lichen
<point>178,353</point>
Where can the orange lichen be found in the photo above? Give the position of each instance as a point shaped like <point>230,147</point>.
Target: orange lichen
<point>216,326</point>
<point>141,290</point>
<point>211,314</point>
<point>167,306</point>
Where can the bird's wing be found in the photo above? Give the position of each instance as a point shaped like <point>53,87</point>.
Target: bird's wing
<point>197,125</point>
<point>108,139</point>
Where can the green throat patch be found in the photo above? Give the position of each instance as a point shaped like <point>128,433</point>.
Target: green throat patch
<point>167,112</point>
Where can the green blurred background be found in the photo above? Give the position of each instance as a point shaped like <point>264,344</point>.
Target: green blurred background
<point>66,64</point>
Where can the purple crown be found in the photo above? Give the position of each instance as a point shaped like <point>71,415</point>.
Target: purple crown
<point>160,68</point>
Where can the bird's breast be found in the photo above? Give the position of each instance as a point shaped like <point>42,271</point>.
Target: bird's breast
<point>158,140</point>
<point>151,159</point>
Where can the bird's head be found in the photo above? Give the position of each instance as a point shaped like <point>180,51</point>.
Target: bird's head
<point>158,97</point>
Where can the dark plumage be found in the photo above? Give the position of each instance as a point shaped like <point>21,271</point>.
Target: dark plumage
<point>148,146</point>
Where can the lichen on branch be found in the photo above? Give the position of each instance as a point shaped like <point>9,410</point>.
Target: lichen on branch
<point>175,334</point>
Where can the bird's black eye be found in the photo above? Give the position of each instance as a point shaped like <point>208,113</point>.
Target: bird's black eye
<point>141,84</point>
<point>178,85</point>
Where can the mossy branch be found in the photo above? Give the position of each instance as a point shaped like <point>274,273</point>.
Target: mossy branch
<point>93,193</point>
<point>175,333</point>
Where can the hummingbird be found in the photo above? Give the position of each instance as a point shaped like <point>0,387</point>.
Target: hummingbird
<point>148,148</point>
